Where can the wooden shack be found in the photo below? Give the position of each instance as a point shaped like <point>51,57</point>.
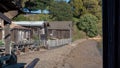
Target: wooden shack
<point>38,29</point>
<point>59,29</point>
<point>19,33</point>
<point>59,33</point>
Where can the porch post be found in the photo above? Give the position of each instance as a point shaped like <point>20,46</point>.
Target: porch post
<point>7,23</point>
<point>7,38</point>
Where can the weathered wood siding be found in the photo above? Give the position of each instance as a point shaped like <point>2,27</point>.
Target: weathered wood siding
<point>58,33</point>
<point>19,35</point>
<point>35,32</point>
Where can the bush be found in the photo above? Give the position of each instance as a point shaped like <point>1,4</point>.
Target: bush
<point>1,43</point>
<point>88,24</point>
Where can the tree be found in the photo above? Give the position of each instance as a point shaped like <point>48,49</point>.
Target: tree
<point>43,4</point>
<point>93,7</point>
<point>37,4</point>
<point>78,8</point>
<point>88,24</point>
<point>60,11</point>
<point>30,4</point>
<point>100,2</point>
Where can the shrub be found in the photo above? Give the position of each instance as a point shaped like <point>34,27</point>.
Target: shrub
<point>1,43</point>
<point>88,24</point>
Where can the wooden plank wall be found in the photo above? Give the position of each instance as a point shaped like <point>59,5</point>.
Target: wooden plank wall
<point>15,35</point>
<point>60,34</point>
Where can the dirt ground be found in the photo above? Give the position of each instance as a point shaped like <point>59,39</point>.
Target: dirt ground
<point>80,54</point>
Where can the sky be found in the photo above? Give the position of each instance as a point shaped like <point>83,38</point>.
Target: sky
<point>64,0</point>
<point>67,0</point>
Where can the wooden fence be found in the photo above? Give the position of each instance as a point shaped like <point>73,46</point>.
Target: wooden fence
<point>58,42</point>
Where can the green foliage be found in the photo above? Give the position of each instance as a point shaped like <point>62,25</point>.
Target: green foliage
<point>81,7</point>
<point>75,10</point>
<point>61,11</point>
<point>88,23</point>
<point>30,5</point>
<point>44,17</point>
<point>1,43</point>
<point>33,17</point>
<point>75,19</point>
<point>90,5</point>
<point>37,4</point>
<point>84,8</point>
<point>99,27</point>
<point>21,18</point>
<point>78,34</point>
<point>100,2</point>
<point>78,8</point>
<point>93,7</point>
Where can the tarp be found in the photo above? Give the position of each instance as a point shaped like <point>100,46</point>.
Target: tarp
<point>26,10</point>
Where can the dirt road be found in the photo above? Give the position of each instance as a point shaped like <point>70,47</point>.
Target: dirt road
<point>80,54</point>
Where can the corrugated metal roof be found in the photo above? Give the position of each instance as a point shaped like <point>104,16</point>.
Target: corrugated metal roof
<point>15,26</point>
<point>60,25</point>
<point>29,23</point>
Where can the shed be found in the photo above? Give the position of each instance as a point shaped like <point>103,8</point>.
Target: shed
<point>19,33</point>
<point>38,29</point>
<point>59,33</point>
<point>59,29</point>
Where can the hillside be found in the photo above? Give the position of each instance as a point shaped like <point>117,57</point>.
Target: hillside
<point>88,12</point>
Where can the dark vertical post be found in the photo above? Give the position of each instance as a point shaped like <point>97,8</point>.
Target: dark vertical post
<point>46,34</point>
<point>70,29</point>
<point>111,33</point>
<point>117,31</point>
<point>39,36</point>
<point>7,38</point>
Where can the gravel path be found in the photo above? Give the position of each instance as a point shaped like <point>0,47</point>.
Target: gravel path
<point>80,54</point>
<point>85,55</point>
